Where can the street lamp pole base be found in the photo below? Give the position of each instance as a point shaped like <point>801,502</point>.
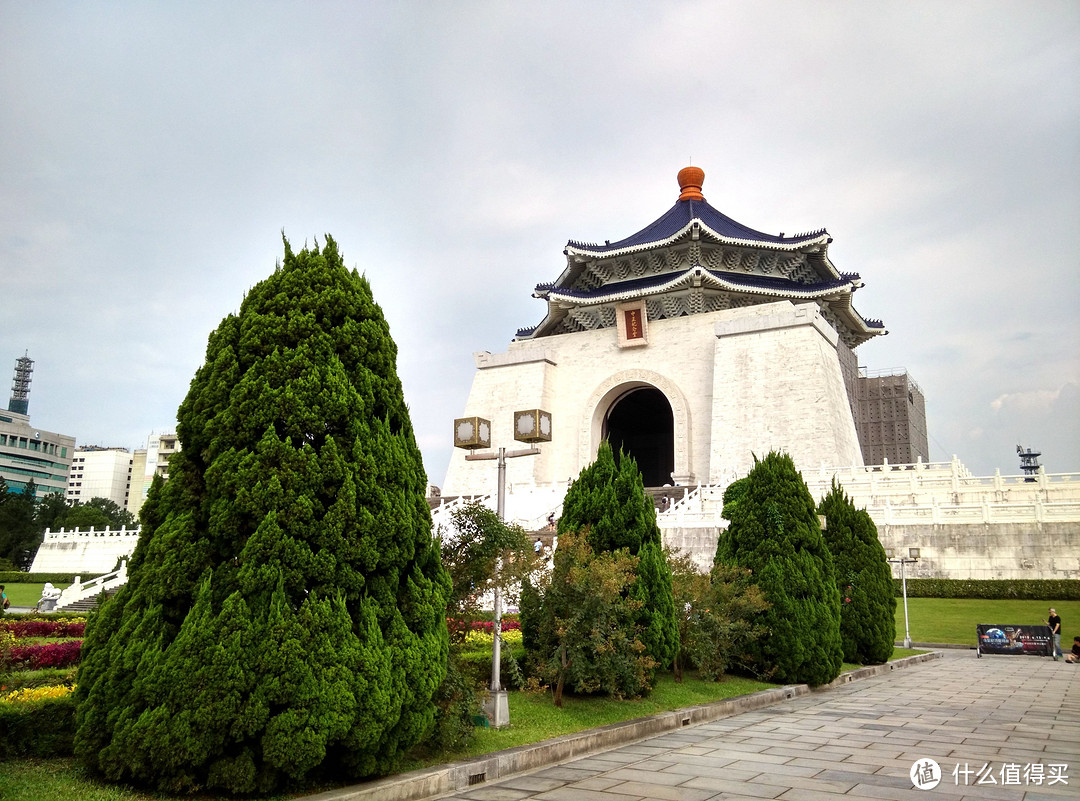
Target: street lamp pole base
<point>497,709</point>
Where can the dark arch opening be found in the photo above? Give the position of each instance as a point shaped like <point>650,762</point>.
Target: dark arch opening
<point>641,424</point>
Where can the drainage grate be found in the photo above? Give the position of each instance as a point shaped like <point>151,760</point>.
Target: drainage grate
<point>686,721</point>
<point>477,778</point>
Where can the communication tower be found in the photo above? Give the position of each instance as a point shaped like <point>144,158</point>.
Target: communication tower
<point>1029,462</point>
<point>20,386</point>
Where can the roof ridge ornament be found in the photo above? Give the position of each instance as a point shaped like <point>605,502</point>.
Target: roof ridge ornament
<point>690,181</point>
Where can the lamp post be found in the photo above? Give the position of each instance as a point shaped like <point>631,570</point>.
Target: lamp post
<point>911,558</point>
<point>472,433</point>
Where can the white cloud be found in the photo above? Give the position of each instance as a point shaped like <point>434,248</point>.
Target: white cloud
<point>1034,401</point>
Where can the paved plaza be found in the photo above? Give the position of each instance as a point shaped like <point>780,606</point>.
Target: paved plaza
<point>1012,720</point>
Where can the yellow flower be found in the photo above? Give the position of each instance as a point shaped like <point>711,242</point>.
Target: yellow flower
<point>36,693</point>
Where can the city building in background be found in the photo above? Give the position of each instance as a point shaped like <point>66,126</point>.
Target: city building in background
<point>890,416</point>
<point>145,463</point>
<point>28,453</point>
<point>98,472</point>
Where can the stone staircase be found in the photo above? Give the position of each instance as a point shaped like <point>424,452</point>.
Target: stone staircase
<point>89,604</point>
<point>83,596</point>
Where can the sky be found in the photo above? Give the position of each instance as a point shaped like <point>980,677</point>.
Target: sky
<point>152,154</point>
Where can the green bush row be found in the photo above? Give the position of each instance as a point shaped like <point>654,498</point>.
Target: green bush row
<point>18,577</point>
<point>10,617</point>
<point>475,666</point>
<point>43,729</point>
<point>993,589</point>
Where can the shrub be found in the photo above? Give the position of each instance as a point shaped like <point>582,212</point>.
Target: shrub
<point>44,677</point>
<point>717,614</point>
<point>774,533</point>
<point>44,628</point>
<point>609,503</point>
<point>863,577</point>
<point>18,577</point>
<point>42,729</point>
<point>49,655</point>
<point>591,641</point>
<point>992,589</point>
<point>285,614</point>
<point>27,694</point>
<point>481,552</point>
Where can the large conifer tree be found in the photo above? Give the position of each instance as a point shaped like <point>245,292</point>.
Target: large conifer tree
<point>774,531</point>
<point>285,612</point>
<point>867,596</point>
<point>608,501</point>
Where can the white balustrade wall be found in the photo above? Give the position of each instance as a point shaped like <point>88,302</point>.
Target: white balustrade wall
<point>964,526</point>
<point>84,551</point>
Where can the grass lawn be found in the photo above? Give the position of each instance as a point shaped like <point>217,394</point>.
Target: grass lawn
<point>953,620</point>
<point>27,594</point>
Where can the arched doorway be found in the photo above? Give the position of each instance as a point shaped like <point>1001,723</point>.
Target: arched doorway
<point>640,422</point>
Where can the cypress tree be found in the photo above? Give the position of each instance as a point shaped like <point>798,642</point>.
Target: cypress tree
<point>774,532</point>
<point>284,616</point>
<point>863,577</point>
<point>608,501</point>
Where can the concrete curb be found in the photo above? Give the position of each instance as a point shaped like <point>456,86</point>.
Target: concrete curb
<point>427,782</point>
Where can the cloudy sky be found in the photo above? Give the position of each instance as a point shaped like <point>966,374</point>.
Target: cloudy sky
<point>152,153</point>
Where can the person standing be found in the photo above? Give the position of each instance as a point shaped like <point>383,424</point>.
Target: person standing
<point>1054,622</point>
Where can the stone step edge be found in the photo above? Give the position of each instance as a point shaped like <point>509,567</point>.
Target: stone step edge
<point>476,771</point>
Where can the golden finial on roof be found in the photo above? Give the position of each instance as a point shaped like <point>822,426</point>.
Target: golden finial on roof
<point>690,181</point>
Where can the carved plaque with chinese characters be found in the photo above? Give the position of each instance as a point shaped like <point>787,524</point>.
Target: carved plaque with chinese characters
<point>633,324</point>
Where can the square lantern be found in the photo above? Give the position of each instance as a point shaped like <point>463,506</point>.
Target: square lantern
<point>472,433</point>
<point>532,425</point>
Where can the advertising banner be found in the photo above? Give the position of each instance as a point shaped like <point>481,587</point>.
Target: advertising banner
<point>999,639</point>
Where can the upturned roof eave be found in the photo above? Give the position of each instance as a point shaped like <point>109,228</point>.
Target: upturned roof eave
<point>552,294</point>
<point>788,244</point>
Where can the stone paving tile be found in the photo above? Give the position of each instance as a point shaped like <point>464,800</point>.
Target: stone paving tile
<point>792,750</point>
<point>789,769</point>
<point>499,793</point>
<point>808,783</point>
<point>799,794</point>
<point>615,755</point>
<point>868,777</point>
<point>579,794</point>
<point>749,756</point>
<point>566,773</point>
<point>696,750</point>
<point>644,750</point>
<point>718,784</point>
<point>707,760</point>
<point>532,783</point>
<point>601,763</point>
<point>661,791</point>
<point>596,783</point>
<point>820,764</point>
<point>656,777</point>
<point>713,771</point>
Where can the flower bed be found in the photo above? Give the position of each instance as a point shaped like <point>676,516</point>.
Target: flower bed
<point>50,655</point>
<point>36,693</point>
<point>45,628</point>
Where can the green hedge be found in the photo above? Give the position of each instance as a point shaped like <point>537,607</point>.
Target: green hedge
<point>475,666</point>
<point>993,589</point>
<point>18,577</point>
<point>42,728</point>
